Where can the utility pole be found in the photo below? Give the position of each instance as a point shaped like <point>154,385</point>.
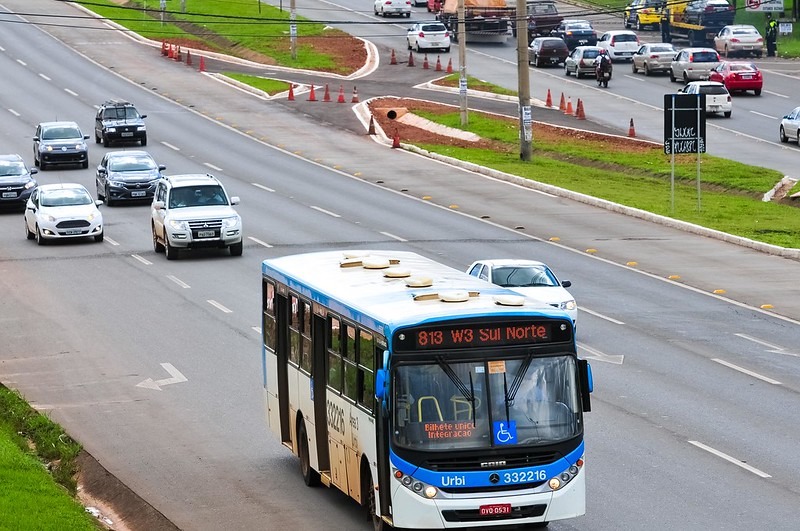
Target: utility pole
<point>523,83</point>
<point>462,64</point>
<point>293,29</point>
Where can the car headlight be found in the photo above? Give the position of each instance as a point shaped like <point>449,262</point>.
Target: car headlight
<point>30,184</point>
<point>48,148</point>
<point>118,184</point>
<point>569,305</point>
<point>111,130</point>
<point>178,224</point>
<point>141,128</point>
<point>230,222</point>
<point>80,147</point>
<point>91,216</point>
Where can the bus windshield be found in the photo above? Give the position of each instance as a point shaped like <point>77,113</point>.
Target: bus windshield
<point>484,404</point>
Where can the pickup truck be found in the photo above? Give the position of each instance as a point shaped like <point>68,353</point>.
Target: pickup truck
<point>543,17</point>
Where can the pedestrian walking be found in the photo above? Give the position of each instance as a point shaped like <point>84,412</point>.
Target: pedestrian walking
<point>772,35</point>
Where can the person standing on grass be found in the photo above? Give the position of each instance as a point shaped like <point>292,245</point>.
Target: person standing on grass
<point>772,35</point>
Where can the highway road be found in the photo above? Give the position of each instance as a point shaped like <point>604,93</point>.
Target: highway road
<point>694,423</point>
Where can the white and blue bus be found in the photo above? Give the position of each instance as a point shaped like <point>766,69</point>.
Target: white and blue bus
<point>433,398</point>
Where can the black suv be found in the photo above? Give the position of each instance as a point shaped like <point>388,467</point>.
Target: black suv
<point>119,121</point>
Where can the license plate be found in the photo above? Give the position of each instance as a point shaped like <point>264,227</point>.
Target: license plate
<point>72,232</point>
<point>127,134</point>
<point>495,509</point>
<point>436,43</point>
<point>583,41</point>
<point>205,234</point>
<point>714,108</point>
<point>9,194</point>
<point>747,76</point>
<point>139,193</point>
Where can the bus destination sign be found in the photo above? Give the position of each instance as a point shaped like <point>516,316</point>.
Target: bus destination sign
<point>474,335</point>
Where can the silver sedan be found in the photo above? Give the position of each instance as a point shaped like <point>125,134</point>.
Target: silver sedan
<point>790,126</point>
<point>653,57</point>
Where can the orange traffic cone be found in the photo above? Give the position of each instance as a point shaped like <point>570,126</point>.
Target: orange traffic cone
<point>340,99</point>
<point>438,64</point>
<point>164,50</point>
<point>171,52</point>
<point>371,130</point>
<point>178,53</point>
<point>410,58</point>
<point>396,139</point>
<point>188,58</point>
<point>355,95</point>
<point>579,113</point>
<point>327,95</point>
<point>569,106</point>
<point>549,101</point>
<point>562,106</point>
<point>202,64</point>
<point>393,60</point>
<point>312,96</point>
<point>631,130</point>
<point>425,64</point>
<point>291,92</point>
<point>449,66</point>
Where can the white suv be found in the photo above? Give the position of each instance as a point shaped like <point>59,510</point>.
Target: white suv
<point>191,211</point>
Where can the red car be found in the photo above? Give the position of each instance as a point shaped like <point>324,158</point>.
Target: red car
<point>737,75</point>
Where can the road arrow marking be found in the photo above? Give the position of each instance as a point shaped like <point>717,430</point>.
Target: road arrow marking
<point>593,354</point>
<point>771,348</point>
<point>177,377</point>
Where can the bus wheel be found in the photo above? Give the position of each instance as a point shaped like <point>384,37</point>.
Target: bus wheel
<point>310,476</point>
<point>371,503</point>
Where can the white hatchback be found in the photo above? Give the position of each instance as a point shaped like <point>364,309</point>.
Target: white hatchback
<point>620,44</point>
<point>428,36</point>
<point>718,99</point>
<point>401,8</point>
<point>530,278</point>
<point>61,212</point>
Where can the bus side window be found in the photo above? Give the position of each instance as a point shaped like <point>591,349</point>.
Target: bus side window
<point>305,339</point>
<point>366,370</point>
<point>334,342</point>
<point>294,330</point>
<point>268,324</point>
<point>350,371</point>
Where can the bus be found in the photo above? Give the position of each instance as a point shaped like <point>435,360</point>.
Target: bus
<point>433,398</point>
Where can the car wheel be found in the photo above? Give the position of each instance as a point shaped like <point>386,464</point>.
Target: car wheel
<point>107,198</point>
<point>42,165</point>
<point>726,52</point>
<point>672,76</point>
<point>99,237</point>
<point>409,44</point>
<point>237,248</point>
<point>685,77</point>
<point>408,15</point>
<point>39,238</point>
<point>638,24</point>
<point>784,138</point>
<point>106,141</point>
<point>85,163</point>
<point>144,140</point>
<point>96,138</point>
<point>627,21</point>
<point>28,234</point>
<point>728,114</point>
<point>757,92</point>
<point>419,50</point>
<point>157,247</point>
<point>169,250</point>
<point>647,70</point>
<point>633,67</point>
<point>566,70</point>
<point>447,50</point>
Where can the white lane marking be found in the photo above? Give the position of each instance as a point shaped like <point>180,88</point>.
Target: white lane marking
<point>600,315</point>
<point>595,354</point>
<point>262,187</point>
<point>265,244</point>
<point>71,92</point>
<point>257,329</point>
<point>318,209</point>
<point>178,281</point>
<point>776,94</point>
<point>23,63</point>
<point>174,148</point>
<point>12,111</point>
<point>209,165</point>
<point>635,77</point>
<point>765,115</point>
<point>730,459</point>
<point>2,49</point>
<point>45,77</point>
<point>746,371</point>
<point>218,306</point>
<point>109,240</point>
<point>176,377</point>
<point>142,260</point>
<point>390,235</point>
<point>772,348</point>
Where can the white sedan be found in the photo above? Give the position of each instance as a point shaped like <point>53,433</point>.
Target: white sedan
<point>428,36</point>
<point>530,278</point>
<point>400,8</point>
<point>62,211</point>
<point>718,99</point>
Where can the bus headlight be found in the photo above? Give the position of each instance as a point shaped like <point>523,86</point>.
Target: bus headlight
<point>565,477</point>
<point>417,487</point>
<point>430,492</point>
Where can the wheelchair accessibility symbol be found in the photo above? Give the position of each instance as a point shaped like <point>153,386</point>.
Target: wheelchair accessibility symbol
<point>505,432</point>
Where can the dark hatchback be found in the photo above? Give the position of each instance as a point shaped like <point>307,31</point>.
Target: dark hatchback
<point>59,143</point>
<point>127,176</point>
<point>16,181</point>
<point>576,33</point>
<point>547,51</point>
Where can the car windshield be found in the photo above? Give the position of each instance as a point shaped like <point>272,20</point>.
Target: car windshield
<point>523,276</point>
<point>9,168</point>
<point>131,164</point>
<point>542,9</point>
<point>193,196</point>
<point>713,89</point>
<point>745,31</point>
<point>624,37</point>
<point>65,197</point>
<point>743,67</point>
<point>120,113</point>
<point>483,404</point>
<point>61,133</point>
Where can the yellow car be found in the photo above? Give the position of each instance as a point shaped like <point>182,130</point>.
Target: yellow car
<point>642,14</point>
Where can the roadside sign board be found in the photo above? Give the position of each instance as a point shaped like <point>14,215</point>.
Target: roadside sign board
<point>764,6</point>
<point>684,123</point>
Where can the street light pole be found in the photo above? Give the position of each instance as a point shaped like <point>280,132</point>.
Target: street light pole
<point>523,83</point>
<point>293,29</point>
<point>462,63</point>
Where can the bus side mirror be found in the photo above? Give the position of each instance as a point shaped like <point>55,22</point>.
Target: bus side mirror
<point>381,384</point>
<point>587,383</point>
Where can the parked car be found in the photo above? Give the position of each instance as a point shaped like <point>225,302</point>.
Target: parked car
<point>620,44</point>
<point>59,143</point>
<point>16,181</point>
<point>709,13</point>
<point>428,36</point>
<point>401,8</point>
<point>693,64</point>
<point>581,61</point>
<point>642,14</point>
<point>739,39</point>
<point>718,99</point>
<point>119,121</point>
<point>62,211</point>
<point>790,126</point>
<point>576,33</point>
<point>547,51</point>
<point>194,211</point>
<point>530,278</point>
<point>653,57</point>
<point>738,76</point>
<point>126,176</point>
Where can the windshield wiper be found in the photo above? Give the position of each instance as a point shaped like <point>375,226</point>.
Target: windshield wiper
<point>511,393</point>
<point>469,394</point>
